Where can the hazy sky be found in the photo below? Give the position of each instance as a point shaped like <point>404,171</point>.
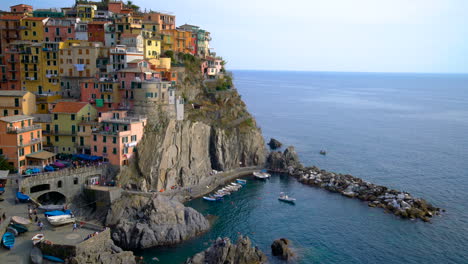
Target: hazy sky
<point>326,35</point>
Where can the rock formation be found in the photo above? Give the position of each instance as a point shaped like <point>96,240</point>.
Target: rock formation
<point>280,248</point>
<point>223,251</point>
<point>139,222</point>
<point>274,144</point>
<point>400,203</point>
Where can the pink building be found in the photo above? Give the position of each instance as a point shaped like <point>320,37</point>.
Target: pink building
<point>102,93</point>
<point>118,137</point>
<point>59,29</point>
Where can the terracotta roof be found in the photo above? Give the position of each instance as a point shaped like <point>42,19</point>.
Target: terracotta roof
<point>68,107</point>
<point>35,18</point>
<point>20,5</point>
<point>11,17</point>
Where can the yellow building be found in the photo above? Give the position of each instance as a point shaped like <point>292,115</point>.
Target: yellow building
<point>32,28</point>
<point>179,41</point>
<point>86,12</point>
<point>66,117</point>
<point>17,103</point>
<point>39,66</point>
<point>151,48</point>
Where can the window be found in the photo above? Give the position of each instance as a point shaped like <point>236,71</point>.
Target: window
<point>21,152</point>
<point>59,184</point>
<point>95,148</point>
<point>114,151</point>
<point>94,138</point>
<point>134,138</point>
<point>73,139</point>
<point>104,139</point>
<point>5,112</point>
<point>104,149</point>
<point>75,180</point>
<point>16,102</point>
<point>56,139</point>
<point>125,150</point>
<point>114,140</point>
<point>16,112</point>
<point>55,117</point>
<point>69,30</point>
<point>72,117</point>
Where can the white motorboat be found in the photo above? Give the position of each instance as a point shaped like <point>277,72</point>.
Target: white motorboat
<point>285,198</point>
<point>61,219</point>
<point>261,175</point>
<point>37,238</point>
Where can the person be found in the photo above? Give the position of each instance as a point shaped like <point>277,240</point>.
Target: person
<point>35,219</point>
<point>41,225</point>
<point>75,227</point>
<point>3,216</point>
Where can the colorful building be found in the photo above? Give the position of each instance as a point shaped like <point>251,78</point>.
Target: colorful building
<point>85,12</point>
<point>117,139</point>
<point>97,31</point>
<point>165,21</point>
<point>58,30</point>
<point>17,103</point>
<point>102,93</point>
<point>49,12</point>
<point>12,67</point>
<point>33,28</point>
<point>66,117</point>
<point>21,143</point>
<point>21,8</point>
<point>201,39</point>
<point>121,55</point>
<point>10,30</point>
<point>152,48</point>
<point>181,41</point>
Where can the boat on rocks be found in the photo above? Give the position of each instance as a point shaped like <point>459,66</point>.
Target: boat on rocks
<point>20,220</point>
<point>8,240</point>
<point>285,198</point>
<point>36,256</point>
<point>37,238</point>
<point>241,181</point>
<point>23,198</point>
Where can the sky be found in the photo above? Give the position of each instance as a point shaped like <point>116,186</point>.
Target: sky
<point>325,35</point>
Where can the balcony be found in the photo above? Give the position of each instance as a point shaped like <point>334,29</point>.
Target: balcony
<point>61,133</point>
<point>29,61</point>
<point>19,130</point>
<point>31,142</point>
<point>131,144</point>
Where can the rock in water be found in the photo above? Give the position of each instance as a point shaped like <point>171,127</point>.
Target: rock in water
<point>139,222</point>
<point>281,161</point>
<point>280,248</point>
<point>274,144</point>
<point>223,251</point>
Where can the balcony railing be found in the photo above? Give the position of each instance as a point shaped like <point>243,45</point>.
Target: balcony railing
<point>18,130</point>
<point>31,142</point>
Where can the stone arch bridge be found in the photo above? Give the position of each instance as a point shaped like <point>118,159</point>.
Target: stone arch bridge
<point>67,182</point>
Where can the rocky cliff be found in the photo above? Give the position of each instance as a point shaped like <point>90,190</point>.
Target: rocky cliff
<point>217,134</point>
<point>224,251</point>
<point>139,222</point>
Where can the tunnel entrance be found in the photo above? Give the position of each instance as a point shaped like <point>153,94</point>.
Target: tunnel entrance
<point>40,188</point>
<point>52,198</point>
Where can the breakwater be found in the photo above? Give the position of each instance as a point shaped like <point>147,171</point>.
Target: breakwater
<point>397,202</point>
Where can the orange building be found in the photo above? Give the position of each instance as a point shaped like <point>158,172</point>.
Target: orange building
<point>21,8</point>
<point>21,143</point>
<point>181,40</point>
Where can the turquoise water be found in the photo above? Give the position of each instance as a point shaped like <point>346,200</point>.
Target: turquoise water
<point>404,131</point>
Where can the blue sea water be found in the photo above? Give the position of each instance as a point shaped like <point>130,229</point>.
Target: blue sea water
<point>405,131</point>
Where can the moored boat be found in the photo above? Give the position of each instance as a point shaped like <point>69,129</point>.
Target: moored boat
<point>60,219</point>
<point>20,220</point>
<point>52,207</point>
<point>261,175</point>
<point>37,238</point>
<point>57,213</point>
<point>12,230</point>
<point>8,240</point>
<point>241,181</point>
<point>53,259</point>
<point>36,256</point>
<point>211,199</point>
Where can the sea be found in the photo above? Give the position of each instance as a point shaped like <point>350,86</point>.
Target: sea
<point>405,131</point>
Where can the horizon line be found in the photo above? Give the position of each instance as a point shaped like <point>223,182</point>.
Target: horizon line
<point>325,71</point>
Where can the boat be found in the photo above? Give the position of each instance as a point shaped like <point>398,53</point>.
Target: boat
<point>323,152</point>
<point>20,220</point>
<point>52,207</point>
<point>57,213</point>
<point>241,181</point>
<point>2,190</point>
<point>261,175</point>
<point>211,199</point>
<point>8,240</point>
<point>285,198</point>
<point>20,228</point>
<point>13,231</point>
<point>22,197</point>
<point>61,219</point>
<point>53,259</point>
<point>37,238</point>
<point>36,256</point>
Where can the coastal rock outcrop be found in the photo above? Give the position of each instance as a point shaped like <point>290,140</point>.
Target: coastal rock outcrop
<point>400,203</point>
<point>139,222</point>
<point>224,251</point>
<point>274,144</point>
<point>280,248</point>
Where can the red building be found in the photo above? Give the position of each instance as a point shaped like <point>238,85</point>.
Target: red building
<point>59,29</point>
<point>97,31</point>
<point>21,8</point>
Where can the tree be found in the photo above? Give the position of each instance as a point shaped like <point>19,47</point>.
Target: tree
<point>4,165</point>
<point>131,5</point>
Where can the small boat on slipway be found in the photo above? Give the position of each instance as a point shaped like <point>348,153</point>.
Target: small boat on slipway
<point>57,218</point>
<point>36,256</point>
<point>20,220</point>
<point>52,207</point>
<point>20,228</point>
<point>8,240</point>
<point>212,198</point>
<point>37,238</point>
<point>241,181</point>
<point>22,197</point>
<point>53,259</point>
